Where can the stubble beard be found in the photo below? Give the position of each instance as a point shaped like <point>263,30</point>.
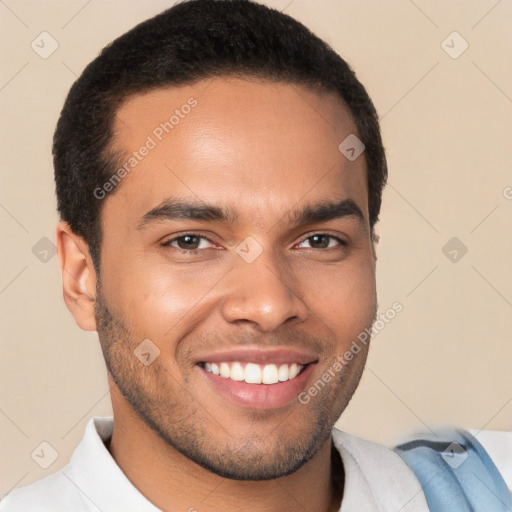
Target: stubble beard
<point>182,421</point>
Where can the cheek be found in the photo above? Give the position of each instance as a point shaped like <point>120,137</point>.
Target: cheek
<point>161,297</point>
<point>343,297</point>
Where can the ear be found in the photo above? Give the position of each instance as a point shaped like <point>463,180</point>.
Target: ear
<point>78,276</point>
<point>375,241</point>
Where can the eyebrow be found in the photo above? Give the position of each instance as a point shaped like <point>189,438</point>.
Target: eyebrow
<point>177,209</point>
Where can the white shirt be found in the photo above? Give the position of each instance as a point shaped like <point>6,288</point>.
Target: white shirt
<point>376,480</point>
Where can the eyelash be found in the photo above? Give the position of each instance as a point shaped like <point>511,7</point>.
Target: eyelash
<point>202,237</point>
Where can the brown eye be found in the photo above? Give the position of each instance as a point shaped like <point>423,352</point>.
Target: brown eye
<point>320,241</point>
<point>188,242</point>
<point>323,241</point>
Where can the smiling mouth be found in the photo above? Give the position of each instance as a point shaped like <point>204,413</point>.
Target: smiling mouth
<point>253,373</point>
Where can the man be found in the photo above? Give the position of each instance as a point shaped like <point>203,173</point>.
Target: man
<point>219,173</point>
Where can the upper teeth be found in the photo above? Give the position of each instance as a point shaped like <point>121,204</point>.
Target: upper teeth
<point>255,373</point>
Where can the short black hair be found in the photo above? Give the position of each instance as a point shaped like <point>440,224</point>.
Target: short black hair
<point>194,40</point>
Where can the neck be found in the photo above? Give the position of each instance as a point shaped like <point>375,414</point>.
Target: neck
<point>173,482</point>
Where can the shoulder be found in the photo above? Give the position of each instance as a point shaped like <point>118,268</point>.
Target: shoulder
<point>55,493</point>
<point>60,491</point>
<point>456,472</point>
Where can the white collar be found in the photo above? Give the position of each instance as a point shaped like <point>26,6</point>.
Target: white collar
<point>376,478</point>
<point>95,473</point>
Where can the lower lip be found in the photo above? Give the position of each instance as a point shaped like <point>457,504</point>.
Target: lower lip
<point>259,396</point>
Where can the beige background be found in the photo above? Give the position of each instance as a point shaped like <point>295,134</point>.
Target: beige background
<point>445,359</point>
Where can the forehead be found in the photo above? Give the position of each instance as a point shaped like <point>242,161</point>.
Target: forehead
<point>258,147</point>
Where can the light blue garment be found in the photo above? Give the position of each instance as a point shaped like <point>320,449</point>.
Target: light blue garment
<point>456,473</point>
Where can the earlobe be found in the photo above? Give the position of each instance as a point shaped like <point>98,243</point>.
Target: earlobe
<point>78,276</point>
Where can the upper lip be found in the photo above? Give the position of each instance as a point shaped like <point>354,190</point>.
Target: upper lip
<point>259,356</point>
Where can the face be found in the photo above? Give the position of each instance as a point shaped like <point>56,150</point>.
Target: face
<point>238,244</point>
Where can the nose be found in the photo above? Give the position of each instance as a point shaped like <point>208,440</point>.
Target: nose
<point>263,293</point>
